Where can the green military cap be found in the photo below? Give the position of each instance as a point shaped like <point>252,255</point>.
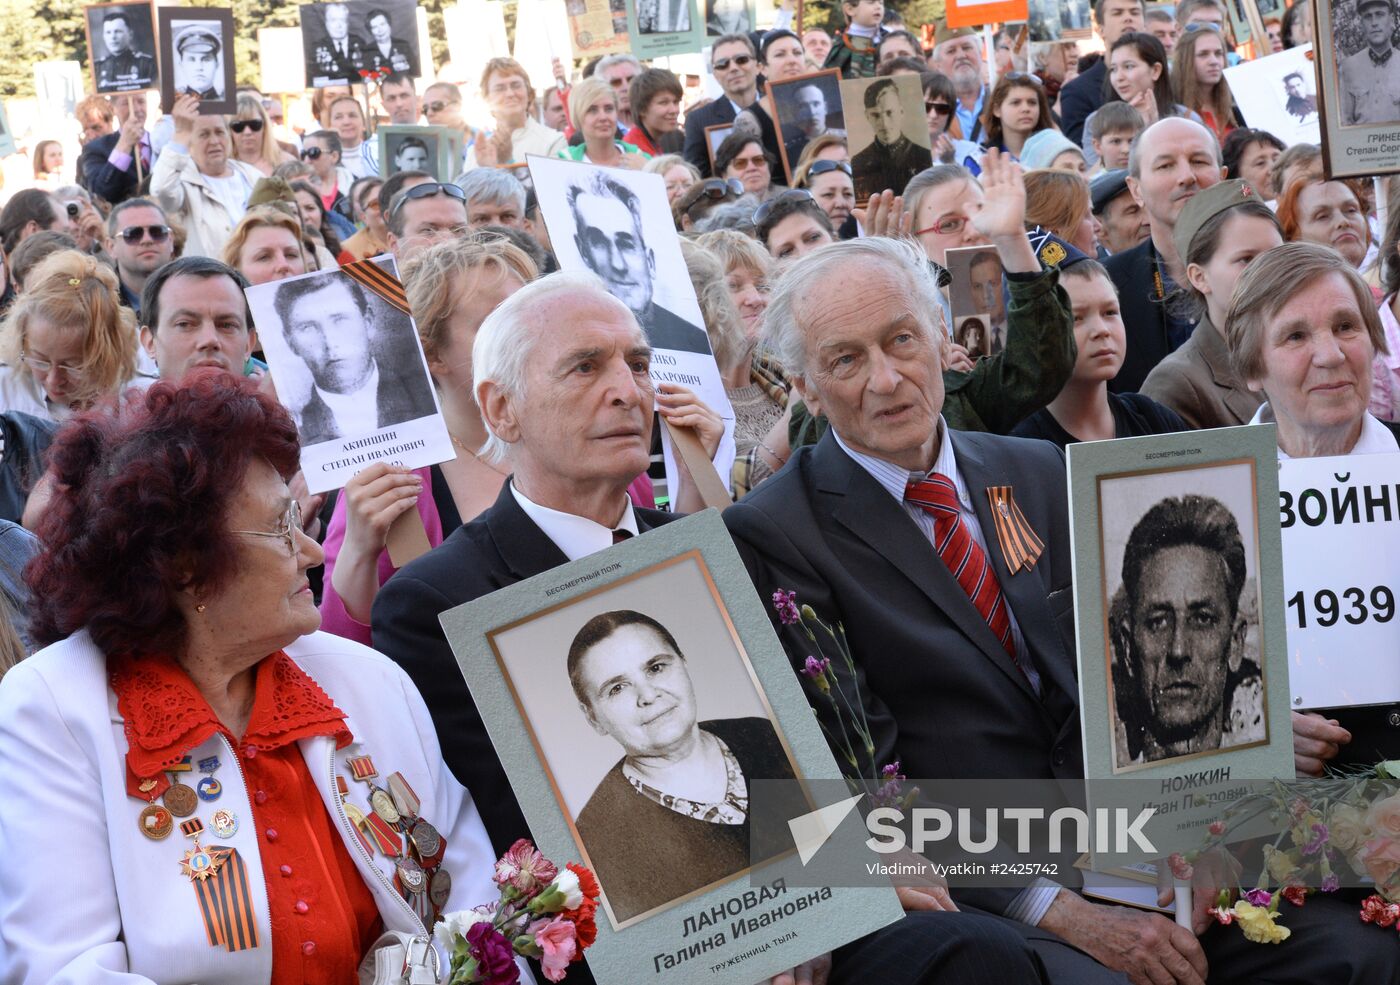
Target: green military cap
<point>1205,205</point>
<point>945,33</point>
<point>270,191</point>
<point>195,36</point>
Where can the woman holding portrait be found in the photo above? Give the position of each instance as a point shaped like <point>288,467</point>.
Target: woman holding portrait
<point>172,592</point>
<point>1303,331</point>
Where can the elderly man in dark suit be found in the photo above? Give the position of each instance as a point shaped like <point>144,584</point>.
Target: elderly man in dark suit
<point>360,383</point>
<point>961,634</point>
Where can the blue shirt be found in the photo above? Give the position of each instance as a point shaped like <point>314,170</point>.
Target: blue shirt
<point>967,118</point>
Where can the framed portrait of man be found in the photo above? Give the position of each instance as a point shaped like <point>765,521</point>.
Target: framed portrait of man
<point>348,364</point>
<point>1358,85</point>
<point>196,47</point>
<point>887,132</point>
<point>1182,648</point>
<point>642,706</point>
<point>803,109</point>
<point>121,40</point>
<point>714,136</point>
<point>342,39</point>
<point>729,17</point>
<point>410,148</point>
<point>977,299</point>
<point>1280,92</point>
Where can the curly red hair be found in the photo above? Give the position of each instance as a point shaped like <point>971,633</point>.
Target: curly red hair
<point>142,488</point>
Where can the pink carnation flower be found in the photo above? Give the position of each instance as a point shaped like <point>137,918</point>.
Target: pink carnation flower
<point>556,938</point>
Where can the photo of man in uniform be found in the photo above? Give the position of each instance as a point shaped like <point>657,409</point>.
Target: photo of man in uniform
<point>197,49</point>
<point>1369,79</point>
<point>608,234</point>
<point>385,50</point>
<point>805,115</point>
<point>367,373</point>
<point>1299,104</point>
<point>339,56</point>
<point>123,68</point>
<point>1179,634</point>
<point>891,159</point>
<point>412,155</point>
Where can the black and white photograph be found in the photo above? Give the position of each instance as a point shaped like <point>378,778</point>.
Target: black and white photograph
<point>1181,573</point>
<point>663,16</point>
<point>196,46</point>
<point>1278,93</point>
<point>804,108</point>
<point>887,132</point>
<point>651,725</point>
<point>976,291</point>
<point>1060,20</point>
<point>414,148</point>
<point>349,366</point>
<point>728,17</point>
<point>121,40</point>
<point>340,40</point>
<point>1358,86</point>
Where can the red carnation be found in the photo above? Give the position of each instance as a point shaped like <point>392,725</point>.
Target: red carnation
<point>585,929</point>
<point>586,880</point>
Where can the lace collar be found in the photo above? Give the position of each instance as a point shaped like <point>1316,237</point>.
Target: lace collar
<point>166,716</point>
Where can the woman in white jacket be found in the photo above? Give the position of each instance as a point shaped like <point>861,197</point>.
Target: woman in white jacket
<point>198,182</point>
<point>195,784</point>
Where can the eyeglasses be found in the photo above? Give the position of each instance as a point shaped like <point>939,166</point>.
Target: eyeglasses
<point>286,529</point>
<point>716,190</point>
<point>933,106</point>
<point>132,235</point>
<point>945,226</point>
<point>743,163</point>
<point>723,63</point>
<point>371,206</point>
<point>238,126</point>
<point>427,190</point>
<point>791,195</point>
<point>826,167</point>
<point>514,85</point>
<point>43,367</point>
<point>310,153</point>
<point>1195,26</point>
<point>437,106</point>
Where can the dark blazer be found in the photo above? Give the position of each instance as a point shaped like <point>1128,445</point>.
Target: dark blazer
<point>881,166</point>
<point>1144,316</point>
<point>713,113</point>
<point>668,330</point>
<point>102,178</point>
<point>501,547</point>
<point>940,693</point>
<point>404,395</point>
<point>1081,97</point>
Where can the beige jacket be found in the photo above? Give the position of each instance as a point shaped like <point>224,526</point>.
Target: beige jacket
<point>188,198</point>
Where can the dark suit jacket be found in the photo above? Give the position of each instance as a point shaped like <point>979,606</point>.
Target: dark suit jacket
<point>1081,97</point>
<point>940,693</point>
<point>668,330</point>
<point>1144,316</point>
<point>404,395</point>
<point>99,175</point>
<point>500,547</point>
<point>882,166</point>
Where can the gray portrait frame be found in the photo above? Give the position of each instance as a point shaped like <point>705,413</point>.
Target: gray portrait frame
<point>445,152</point>
<point>1349,150</point>
<point>223,19</point>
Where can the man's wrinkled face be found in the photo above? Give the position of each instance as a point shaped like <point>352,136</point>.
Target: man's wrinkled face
<point>337,22</point>
<point>330,332</point>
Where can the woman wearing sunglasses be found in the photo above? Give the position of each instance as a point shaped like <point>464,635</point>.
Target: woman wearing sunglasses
<point>944,130</point>
<point>701,199</point>
<point>741,156</point>
<point>253,142</point>
<point>831,185</point>
<point>67,341</point>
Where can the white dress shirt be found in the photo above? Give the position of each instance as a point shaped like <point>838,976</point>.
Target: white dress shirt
<point>356,412</point>
<point>577,536</point>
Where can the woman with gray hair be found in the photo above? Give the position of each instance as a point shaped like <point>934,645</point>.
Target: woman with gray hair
<point>1303,330</point>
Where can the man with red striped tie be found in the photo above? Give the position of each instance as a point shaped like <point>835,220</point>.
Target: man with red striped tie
<point>945,557</point>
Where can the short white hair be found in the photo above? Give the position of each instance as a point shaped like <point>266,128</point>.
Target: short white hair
<point>492,186</point>
<point>507,338</point>
<point>783,332</point>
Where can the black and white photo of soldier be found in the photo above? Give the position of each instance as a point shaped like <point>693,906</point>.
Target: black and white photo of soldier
<point>1300,103</point>
<point>198,52</point>
<point>413,155</point>
<point>122,43</point>
<point>337,55</point>
<point>608,232</point>
<point>663,16</point>
<point>892,157</point>
<point>807,109</point>
<point>672,815</point>
<point>727,17</point>
<point>1368,79</point>
<point>1183,681</point>
<point>364,359</point>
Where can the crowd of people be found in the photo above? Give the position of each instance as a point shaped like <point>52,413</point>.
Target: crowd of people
<point>176,600</point>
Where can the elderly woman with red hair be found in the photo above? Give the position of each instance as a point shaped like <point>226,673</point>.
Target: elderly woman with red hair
<point>227,795</point>
<point>1328,213</point>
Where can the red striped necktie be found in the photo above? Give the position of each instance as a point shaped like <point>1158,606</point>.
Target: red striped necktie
<point>964,557</point>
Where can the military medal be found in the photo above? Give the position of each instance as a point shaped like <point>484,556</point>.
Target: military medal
<point>362,768</point>
<point>417,852</point>
<point>225,823</point>
<point>209,788</point>
<point>180,799</point>
<point>198,863</point>
<point>156,822</point>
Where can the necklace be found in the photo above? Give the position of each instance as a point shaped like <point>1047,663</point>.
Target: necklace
<point>458,442</point>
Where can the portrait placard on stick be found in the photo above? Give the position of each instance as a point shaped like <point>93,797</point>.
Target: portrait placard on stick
<point>714,136</point>
<point>616,223</point>
<point>553,664</point>
<point>1178,534</point>
<point>1358,86</point>
<point>1278,93</point>
<point>664,27</point>
<point>597,27</point>
<point>340,40</point>
<point>803,109</point>
<point>887,132</point>
<point>348,364</point>
<point>196,48</point>
<point>121,40</point>
<point>729,17</point>
<point>1339,591</point>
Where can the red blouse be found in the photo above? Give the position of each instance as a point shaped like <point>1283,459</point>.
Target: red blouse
<point>323,915</point>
